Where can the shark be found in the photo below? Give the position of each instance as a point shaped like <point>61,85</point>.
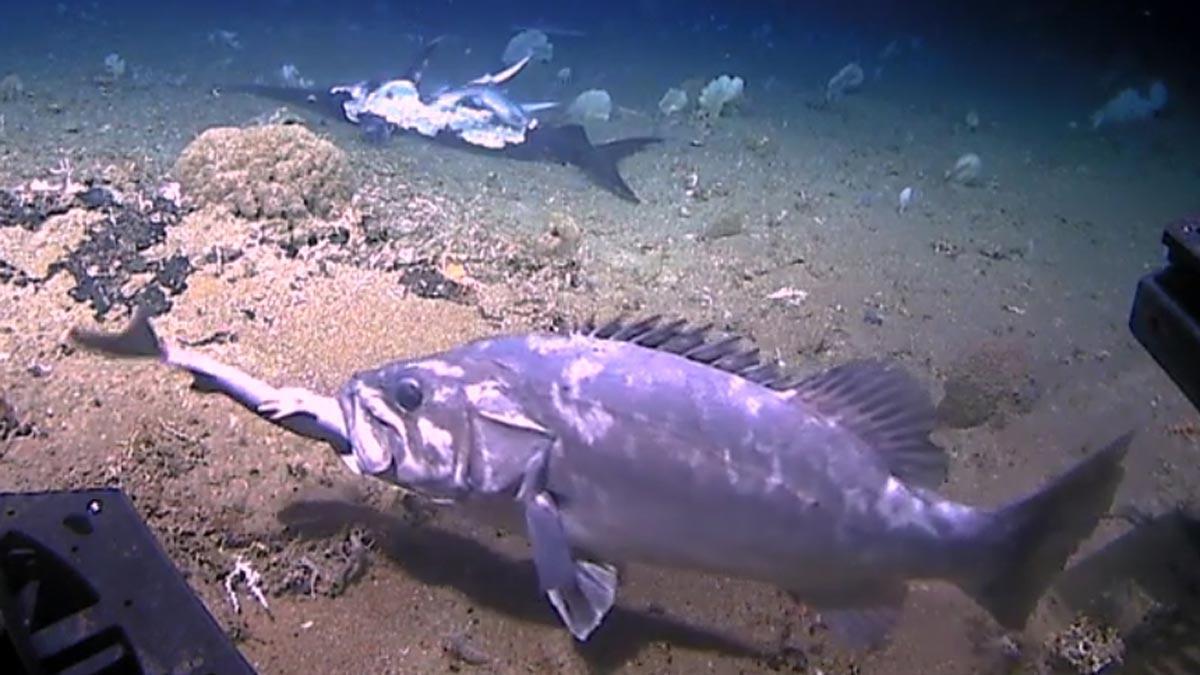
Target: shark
<point>477,116</point>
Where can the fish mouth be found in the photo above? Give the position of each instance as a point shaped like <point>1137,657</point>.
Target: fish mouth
<point>378,433</point>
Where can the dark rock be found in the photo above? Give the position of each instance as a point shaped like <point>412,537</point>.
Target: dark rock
<point>116,249</point>
<point>11,425</point>
<point>29,214</point>
<point>97,198</point>
<point>426,281</point>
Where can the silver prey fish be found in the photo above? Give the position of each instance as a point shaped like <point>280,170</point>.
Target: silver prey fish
<point>652,441</point>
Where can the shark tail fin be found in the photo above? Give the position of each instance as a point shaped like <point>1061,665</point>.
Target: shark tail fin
<point>138,340</point>
<point>1024,545</point>
<point>609,155</point>
<point>618,150</point>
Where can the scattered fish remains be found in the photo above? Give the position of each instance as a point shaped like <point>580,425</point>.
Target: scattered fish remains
<point>652,441</point>
<point>477,116</point>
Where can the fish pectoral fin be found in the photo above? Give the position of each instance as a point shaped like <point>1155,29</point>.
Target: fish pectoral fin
<point>584,604</point>
<point>582,592</point>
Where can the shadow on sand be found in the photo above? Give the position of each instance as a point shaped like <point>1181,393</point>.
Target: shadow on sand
<point>493,580</point>
<point>1160,557</point>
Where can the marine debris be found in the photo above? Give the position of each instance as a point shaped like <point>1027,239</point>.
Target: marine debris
<point>966,170</point>
<point>847,80</point>
<point>531,43</point>
<point>719,93</point>
<point>591,105</point>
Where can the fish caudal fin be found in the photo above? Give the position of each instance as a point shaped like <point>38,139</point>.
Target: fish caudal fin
<point>138,340</point>
<point>1024,545</point>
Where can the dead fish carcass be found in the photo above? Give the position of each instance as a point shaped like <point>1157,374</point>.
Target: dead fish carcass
<point>650,441</point>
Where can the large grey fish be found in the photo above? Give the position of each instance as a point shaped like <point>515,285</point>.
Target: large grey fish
<point>649,441</point>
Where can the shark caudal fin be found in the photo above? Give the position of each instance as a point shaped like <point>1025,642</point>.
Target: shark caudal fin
<point>137,341</point>
<point>601,164</point>
<point>1023,546</point>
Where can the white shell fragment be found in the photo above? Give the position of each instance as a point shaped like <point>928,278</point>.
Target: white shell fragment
<point>966,170</point>
<point>847,80</point>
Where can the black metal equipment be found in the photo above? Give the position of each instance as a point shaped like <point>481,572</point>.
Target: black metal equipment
<point>86,589</point>
<point>1166,310</point>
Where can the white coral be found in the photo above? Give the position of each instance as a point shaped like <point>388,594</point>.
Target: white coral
<point>673,101</point>
<point>720,93</point>
<point>593,104</point>
<point>1130,106</point>
<point>532,43</point>
<point>114,65</point>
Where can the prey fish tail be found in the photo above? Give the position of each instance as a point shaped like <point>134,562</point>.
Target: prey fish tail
<point>298,410</point>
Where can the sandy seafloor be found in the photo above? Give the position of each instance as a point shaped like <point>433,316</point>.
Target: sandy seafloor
<point>1042,257</point>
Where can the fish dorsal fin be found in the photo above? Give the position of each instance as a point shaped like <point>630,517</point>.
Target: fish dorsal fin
<point>888,409</point>
<point>729,353</point>
<point>882,404</point>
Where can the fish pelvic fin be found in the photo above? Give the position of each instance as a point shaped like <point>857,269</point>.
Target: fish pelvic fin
<point>138,340</point>
<point>1024,545</point>
<point>584,604</point>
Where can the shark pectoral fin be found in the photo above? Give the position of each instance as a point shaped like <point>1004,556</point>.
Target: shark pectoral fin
<point>584,604</point>
<point>551,552</point>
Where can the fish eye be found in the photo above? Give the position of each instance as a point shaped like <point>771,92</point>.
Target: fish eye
<point>407,394</point>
